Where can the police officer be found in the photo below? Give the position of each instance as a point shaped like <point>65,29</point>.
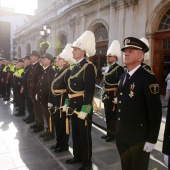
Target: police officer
<point>17,77</point>
<point>34,73</point>
<point>111,78</point>
<point>81,84</point>
<point>43,90</point>
<point>58,97</point>
<point>6,79</point>
<point>138,108</point>
<point>27,66</point>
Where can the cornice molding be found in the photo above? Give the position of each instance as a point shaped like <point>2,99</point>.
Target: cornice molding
<point>74,21</point>
<point>119,4</point>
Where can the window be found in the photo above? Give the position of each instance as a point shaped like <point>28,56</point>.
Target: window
<point>101,33</point>
<point>165,22</point>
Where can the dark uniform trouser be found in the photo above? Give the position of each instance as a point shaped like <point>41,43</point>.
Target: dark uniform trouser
<point>7,88</point>
<point>82,142</point>
<point>60,129</point>
<point>110,118</point>
<point>2,89</point>
<point>133,158</point>
<point>29,105</point>
<point>45,112</point>
<point>21,101</point>
<point>37,112</point>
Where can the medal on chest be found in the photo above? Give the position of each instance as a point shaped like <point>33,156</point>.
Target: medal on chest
<point>131,94</point>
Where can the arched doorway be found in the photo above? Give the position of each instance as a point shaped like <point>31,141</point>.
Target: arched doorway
<point>101,37</point>
<point>161,57</point>
<point>61,43</point>
<point>19,52</point>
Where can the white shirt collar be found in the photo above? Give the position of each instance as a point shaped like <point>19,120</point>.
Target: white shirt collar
<point>132,71</point>
<point>79,61</point>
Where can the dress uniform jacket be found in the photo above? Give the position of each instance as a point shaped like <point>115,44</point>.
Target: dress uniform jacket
<point>82,82</point>
<point>138,111</point>
<point>35,71</point>
<point>44,85</point>
<point>25,77</point>
<point>166,140</point>
<point>60,82</point>
<point>111,79</point>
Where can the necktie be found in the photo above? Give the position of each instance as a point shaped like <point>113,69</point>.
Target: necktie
<point>126,78</point>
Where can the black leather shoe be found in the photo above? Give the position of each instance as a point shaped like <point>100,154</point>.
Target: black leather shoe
<point>38,129</point>
<point>19,114</point>
<point>15,105</point>
<point>12,101</point>
<point>109,139</point>
<point>54,146</point>
<point>104,136</point>
<point>48,137</point>
<point>85,168</point>
<point>29,121</point>
<point>6,99</point>
<point>2,96</point>
<point>58,150</point>
<point>72,161</point>
<point>33,126</point>
<point>43,135</point>
<point>25,119</point>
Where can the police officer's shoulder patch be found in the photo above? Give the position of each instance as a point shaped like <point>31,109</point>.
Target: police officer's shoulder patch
<point>154,88</point>
<point>86,108</point>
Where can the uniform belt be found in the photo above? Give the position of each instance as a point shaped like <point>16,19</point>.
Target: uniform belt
<point>60,91</point>
<point>75,95</point>
<point>110,89</point>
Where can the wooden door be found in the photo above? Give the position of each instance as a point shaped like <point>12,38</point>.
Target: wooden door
<point>100,57</point>
<point>161,58</point>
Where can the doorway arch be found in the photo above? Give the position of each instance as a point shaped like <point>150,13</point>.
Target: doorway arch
<point>101,38</point>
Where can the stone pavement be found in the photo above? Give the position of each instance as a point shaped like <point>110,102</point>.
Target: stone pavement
<point>20,149</point>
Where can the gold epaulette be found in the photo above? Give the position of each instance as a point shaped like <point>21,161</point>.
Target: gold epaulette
<point>95,69</point>
<point>149,71</point>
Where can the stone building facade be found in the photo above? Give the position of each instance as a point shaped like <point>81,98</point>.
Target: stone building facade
<point>109,20</point>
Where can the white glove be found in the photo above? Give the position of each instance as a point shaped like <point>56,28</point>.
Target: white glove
<point>36,97</point>
<point>50,104</point>
<point>148,147</point>
<point>166,159</point>
<point>82,115</point>
<point>64,108</point>
<point>115,100</point>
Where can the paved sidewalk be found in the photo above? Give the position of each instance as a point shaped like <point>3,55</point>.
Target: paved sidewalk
<point>20,149</point>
